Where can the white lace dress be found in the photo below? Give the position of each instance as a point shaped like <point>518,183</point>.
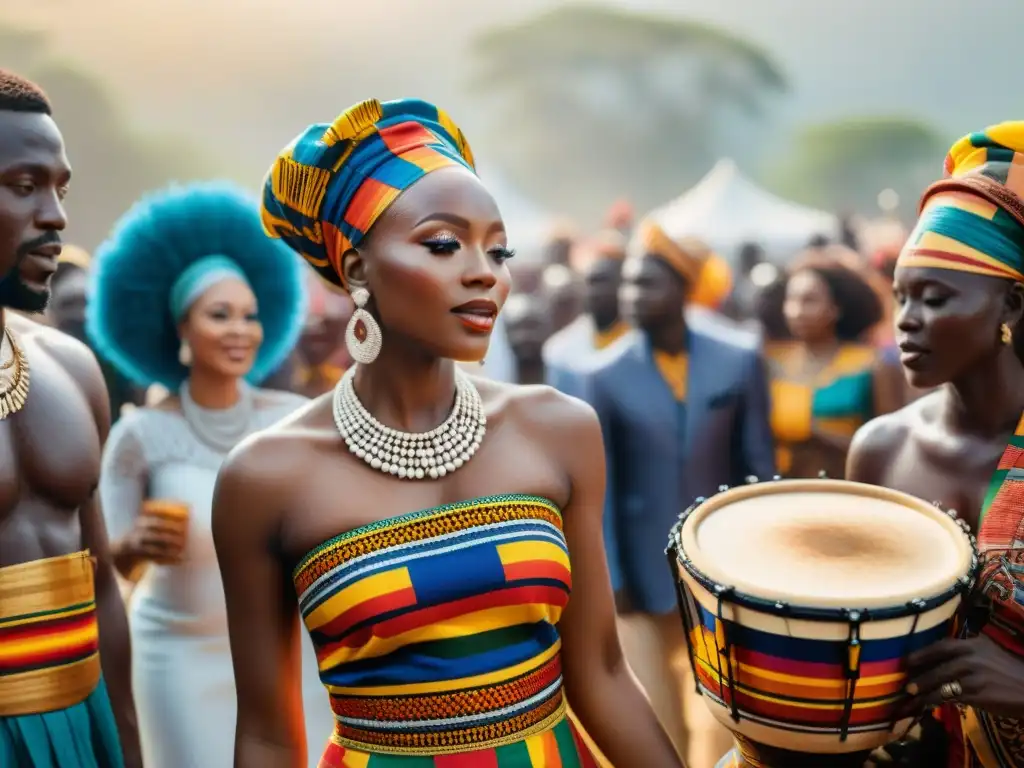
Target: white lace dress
<point>181,660</point>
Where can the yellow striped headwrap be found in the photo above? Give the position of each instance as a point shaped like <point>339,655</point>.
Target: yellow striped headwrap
<point>973,219</point>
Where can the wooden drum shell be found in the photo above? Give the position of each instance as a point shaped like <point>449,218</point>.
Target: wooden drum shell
<point>808,678</point>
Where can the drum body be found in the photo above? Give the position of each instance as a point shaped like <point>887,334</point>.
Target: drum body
<point>802,599</point>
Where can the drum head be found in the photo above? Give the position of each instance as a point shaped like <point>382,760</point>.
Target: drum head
<point>826,543</point>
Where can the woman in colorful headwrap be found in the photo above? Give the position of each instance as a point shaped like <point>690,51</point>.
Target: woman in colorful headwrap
<point>443,634</point>
<point>828,379</point>
<point>959,284</point>
<point>190,294</point>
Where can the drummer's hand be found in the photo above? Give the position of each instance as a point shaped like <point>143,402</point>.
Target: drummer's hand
<point>992,678</point>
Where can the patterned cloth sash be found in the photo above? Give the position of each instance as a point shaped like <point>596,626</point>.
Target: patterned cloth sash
<point>49,643</point>
<point>435,631</point>
<point>998,742</point>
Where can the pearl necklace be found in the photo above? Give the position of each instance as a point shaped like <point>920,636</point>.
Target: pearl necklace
<point>412,455</point>
<point>219,428</point>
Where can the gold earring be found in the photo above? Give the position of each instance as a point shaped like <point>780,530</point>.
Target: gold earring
<point>185,354</point>
<point>1007,333</point>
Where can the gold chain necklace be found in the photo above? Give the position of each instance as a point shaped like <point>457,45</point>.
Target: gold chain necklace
<point>14,393</point>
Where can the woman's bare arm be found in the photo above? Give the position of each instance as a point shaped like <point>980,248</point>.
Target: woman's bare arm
<point>604,694</point>
<point>248,506</point>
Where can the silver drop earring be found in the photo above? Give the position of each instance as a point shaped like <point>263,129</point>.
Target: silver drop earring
<point>362,335</point>
<point>185,354</point>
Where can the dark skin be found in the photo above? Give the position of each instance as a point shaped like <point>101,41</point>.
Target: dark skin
<point>441,244</point>
<point>946,445</point>
<point>563,293</point>
<point>527,327</point>
<point>811,315</point>
<point>601,288</point>
<point>50,450</point>
<point>651,298</point>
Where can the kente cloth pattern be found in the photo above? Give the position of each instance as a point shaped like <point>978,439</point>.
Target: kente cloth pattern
<point>54,708</point>
<point>998,742</point>
<point>973,219</point>
<point>327,188</point>
<point>839,400</point>
<point>436,637</point>
<point>800,685</point>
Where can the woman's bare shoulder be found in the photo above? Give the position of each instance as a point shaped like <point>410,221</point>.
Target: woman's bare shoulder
<point>876,444</point>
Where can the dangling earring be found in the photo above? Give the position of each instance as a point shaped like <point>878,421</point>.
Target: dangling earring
<point>1006,333</point>
<point>362,336</point>
<point>185,354</point>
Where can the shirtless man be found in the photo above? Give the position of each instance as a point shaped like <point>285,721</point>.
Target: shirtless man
<point>56,578</point>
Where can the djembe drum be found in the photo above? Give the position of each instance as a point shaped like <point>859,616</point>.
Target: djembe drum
<point>801,600</point>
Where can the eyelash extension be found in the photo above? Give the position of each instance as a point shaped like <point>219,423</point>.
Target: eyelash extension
<point>501,253</point>
<point>443,243</point>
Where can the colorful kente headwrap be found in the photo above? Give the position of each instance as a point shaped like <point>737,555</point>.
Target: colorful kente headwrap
<point>327,188</point>
<point>707,276</point>
<point>973,219</point>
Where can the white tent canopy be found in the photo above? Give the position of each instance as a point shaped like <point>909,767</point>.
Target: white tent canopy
<point>725,210</point>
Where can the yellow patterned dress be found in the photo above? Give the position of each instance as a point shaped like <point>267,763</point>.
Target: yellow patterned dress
<point>436,638</point>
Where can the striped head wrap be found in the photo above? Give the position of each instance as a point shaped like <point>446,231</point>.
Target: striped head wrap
<point>972,220</point>
<point>327,188</point>
<point>707,276</point>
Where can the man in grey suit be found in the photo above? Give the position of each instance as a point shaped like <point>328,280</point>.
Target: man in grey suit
<point>684,410</point>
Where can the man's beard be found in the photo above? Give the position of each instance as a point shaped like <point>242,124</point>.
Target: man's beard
<point>14,293</point>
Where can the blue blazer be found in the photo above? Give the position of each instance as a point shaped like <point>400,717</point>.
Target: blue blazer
<point>656,465</point>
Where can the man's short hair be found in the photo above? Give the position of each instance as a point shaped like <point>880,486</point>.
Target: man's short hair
<point>17,94</point>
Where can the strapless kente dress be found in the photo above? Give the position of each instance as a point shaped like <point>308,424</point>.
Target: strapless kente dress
<point>436,636</point>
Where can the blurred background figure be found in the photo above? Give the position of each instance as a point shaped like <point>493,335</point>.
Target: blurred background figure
<point>568,351</point>
<point>830,377</point>
<point>562,289</point>
<point>320,357</point>
<point>190,294</point>
<point>527,327</point>
<point>66,312</point>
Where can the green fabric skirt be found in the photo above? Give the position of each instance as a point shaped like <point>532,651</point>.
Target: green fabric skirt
<point>81,736</point>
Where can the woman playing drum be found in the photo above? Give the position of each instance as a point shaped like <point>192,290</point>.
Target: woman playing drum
<point>959,286</point>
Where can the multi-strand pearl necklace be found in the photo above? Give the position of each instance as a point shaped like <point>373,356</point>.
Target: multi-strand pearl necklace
<point>412,455</point>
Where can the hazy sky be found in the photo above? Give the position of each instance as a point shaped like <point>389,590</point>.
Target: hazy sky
<point>245,83</point>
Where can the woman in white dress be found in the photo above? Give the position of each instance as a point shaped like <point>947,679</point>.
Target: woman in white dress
<point>189,294</point>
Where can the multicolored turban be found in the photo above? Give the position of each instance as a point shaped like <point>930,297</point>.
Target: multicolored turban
<point>327,188</point>
<point>706,274</point>
<point>973,219</point>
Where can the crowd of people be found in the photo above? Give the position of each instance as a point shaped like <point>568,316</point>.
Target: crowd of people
<point>345,404</point>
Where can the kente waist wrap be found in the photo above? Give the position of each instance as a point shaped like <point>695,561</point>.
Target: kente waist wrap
<point>436,632</point>
<point>449,722</point>
<point>49,642</point>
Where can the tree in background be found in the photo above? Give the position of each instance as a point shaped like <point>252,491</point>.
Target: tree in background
<point>113,163</point>
<point>592,103</point>
<point>843,165</point>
